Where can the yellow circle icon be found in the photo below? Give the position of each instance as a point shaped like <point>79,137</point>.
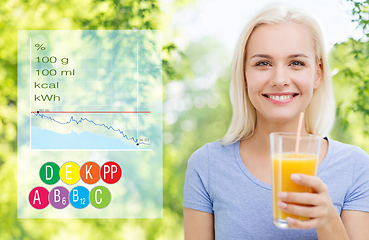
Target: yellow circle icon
<point>69,173</point>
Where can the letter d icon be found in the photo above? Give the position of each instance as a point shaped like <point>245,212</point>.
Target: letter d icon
<point>49,173</point>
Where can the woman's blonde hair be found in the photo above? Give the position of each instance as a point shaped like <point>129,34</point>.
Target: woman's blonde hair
<point>320,113</point>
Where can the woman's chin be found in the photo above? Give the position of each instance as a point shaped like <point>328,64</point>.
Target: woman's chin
<point>280,119</point>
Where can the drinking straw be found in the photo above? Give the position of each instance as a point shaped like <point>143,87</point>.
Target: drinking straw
<point>299,133</point>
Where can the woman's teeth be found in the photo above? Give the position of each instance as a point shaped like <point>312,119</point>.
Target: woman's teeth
<point>280,98</point>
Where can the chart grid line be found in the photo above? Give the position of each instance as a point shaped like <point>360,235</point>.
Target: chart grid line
<point>137,93</point>
<point>30,89</point>
<point>90,112</point>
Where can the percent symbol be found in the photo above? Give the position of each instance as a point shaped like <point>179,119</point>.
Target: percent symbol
<point>38,46</point>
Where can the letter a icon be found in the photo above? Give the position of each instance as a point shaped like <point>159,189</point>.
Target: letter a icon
<point>37,198</point>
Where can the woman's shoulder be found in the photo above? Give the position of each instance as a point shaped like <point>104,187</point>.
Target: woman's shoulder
<point>215,151</point>
<point>349,153</point>
<point>214,148</point>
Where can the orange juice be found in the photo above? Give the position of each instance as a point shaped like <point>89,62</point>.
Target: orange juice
<point>283,166</point>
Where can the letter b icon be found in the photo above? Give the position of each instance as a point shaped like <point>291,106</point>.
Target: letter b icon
<point>59,197</point>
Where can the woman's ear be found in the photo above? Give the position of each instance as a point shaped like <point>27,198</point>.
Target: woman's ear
<point>318,75</point>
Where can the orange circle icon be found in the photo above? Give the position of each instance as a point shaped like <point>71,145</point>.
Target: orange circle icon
<point>90,172</point>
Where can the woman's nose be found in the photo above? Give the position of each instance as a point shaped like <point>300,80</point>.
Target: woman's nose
<point>280,77</point>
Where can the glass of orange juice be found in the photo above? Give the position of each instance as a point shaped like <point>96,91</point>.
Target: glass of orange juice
<point>285,161</point>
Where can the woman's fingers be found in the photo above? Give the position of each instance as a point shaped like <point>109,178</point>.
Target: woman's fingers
<point>300,210</point>
<point>309,224</point>
<point>316,205</point>
<point>313,205</point>
<point>310,181</point>
<point>300,198</point>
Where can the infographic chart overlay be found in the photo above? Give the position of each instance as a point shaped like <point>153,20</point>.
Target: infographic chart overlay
<point>89,124</point>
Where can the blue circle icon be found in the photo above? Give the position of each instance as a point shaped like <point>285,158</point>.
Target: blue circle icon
<point>79,197</point>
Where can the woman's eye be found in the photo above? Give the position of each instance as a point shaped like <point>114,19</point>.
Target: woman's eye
<point>297,63</point>
<point>262,64</point>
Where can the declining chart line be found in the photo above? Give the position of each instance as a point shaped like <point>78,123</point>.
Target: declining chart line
<point>135,140</point>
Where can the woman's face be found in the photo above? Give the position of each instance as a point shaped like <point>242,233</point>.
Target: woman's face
<point>281,70</point>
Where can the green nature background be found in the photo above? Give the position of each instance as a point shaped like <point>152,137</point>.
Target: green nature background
<point>193,115</point>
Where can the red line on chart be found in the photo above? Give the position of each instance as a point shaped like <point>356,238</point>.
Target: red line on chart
<point>90,112</point>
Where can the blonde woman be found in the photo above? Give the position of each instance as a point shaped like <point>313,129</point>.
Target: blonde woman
<point>279,70</point>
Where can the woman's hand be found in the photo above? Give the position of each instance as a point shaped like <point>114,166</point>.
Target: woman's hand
<point>317,205</point>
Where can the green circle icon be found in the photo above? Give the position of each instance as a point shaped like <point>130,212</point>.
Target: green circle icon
<point>49,173</point>
<point>100,197</point>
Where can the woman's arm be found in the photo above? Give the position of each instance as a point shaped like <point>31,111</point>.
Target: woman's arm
<point>198,224</point>
<point>356,224</point>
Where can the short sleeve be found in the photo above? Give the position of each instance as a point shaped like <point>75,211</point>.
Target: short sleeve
<point>196,188</point>
<point>357,197</point>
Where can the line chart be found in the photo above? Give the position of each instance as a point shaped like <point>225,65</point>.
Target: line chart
<point>73,120</point>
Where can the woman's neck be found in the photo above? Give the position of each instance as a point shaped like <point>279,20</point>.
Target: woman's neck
<point>264,128</point>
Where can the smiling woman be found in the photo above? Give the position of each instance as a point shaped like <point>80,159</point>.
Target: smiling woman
<point>279,70</point>
<point>304,32</point>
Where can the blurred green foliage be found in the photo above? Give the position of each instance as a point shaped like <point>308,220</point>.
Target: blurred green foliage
<point>360,13</point>
<point>349,63</point>
<point>201,113</point>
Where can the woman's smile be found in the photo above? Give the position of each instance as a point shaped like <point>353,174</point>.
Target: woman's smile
<point>280,98</point>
